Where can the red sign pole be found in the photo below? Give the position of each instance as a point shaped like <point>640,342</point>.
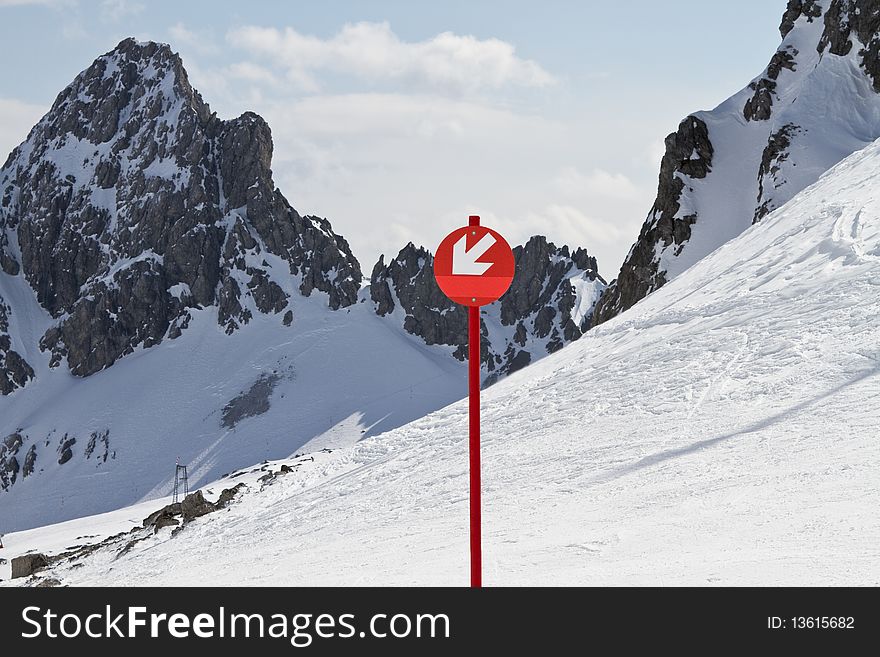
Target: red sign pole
<point>474,266</point>
<point>474,435</point>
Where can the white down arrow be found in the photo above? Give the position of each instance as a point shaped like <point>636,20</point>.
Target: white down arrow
<point>464,260</point>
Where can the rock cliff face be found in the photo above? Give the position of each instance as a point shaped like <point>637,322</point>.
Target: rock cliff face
<point>549,304</point>
<point>131,203</point>
<point>817,101</point>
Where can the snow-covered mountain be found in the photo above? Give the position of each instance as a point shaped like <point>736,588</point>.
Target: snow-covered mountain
<point>722,432</point>
<point>817,101</point>
<point>160,298</point>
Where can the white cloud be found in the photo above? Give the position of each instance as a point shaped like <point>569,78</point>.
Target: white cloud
<point>372,52</point>
<point>578,228</point>
<point>16,120</point>
<point>74,28</point>
<point>183,37</point>
<point>656,151</point>
<point>572,182</point>
<point>113,11</point>
<point>391,168</point>
<point>252,73</point>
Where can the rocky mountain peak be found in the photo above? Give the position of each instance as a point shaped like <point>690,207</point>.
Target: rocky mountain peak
<point>133,81</point>
<point>131,204</point>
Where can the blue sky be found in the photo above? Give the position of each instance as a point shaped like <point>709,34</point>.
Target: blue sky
<point>397,119</point>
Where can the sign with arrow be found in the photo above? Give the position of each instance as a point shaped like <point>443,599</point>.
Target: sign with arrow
<point>474,266</point>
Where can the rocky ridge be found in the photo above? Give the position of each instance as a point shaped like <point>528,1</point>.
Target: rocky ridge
<point>817,101</point>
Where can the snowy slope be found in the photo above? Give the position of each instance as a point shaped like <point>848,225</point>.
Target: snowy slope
<point>724,431</point>
<point>341,375</point>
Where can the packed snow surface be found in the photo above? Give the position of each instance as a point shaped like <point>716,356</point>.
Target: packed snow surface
<point>722,432</point>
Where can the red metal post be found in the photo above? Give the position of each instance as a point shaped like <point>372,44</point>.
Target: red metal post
<point>474,435</point>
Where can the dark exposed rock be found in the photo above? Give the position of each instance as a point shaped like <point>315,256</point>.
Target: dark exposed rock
<point>98,446</point>
<point>195,505</point>
<point>519,336</point>
<point>227,495</point>
<point>776,152</point>
<point>252,402</point>
<point>519,361</point>
<point>859,19</point>
<point>165,521</point>
<point>268,295</point>
<point>65,451</point>
<point>544,321</point>
<point>429,313</point>
<point>28,564</point>
<point>760,106</point>
<point>48,582</point>
<point>8,264</point>
<point>689,152</point>
<point>541,302</point>
<point>782,59</point>
<point>14,370</point>
<point>287,320</point>
<point>809,9</point>
<point>160,194</point>
<point>9,465</point>
<point>30,461</point>
<point>230,312</point>
<point>165,512</point>
<point>380,291</point>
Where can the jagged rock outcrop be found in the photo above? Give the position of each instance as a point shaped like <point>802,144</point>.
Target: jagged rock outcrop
<point>27,564</point>
<point>808,9</point>
<point>855,24</point>
<point>191,507</point>
<point>408,282</point>
<point>549,304</point>
<point>15,371</point>
<point>775,153</point>
<point>131,204</point>
<point>688,153</point>
<point>759,107</point>
<point>817,101</point>
<point>9,463</point>
<point>65,449</point>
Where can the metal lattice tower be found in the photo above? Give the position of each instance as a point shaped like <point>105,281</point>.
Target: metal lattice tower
<point>181,480</point>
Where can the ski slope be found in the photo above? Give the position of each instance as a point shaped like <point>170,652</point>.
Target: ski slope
<point>722,432</point>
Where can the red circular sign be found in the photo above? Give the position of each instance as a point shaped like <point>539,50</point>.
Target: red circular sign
<point>474,265</point>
